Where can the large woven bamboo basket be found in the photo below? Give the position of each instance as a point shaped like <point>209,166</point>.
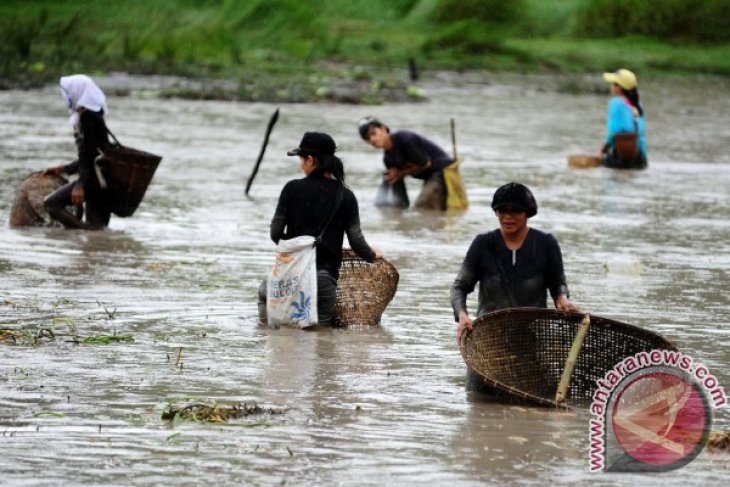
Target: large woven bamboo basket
<point>522,352</point>
<point>128,173</point>
<point>363,290</point>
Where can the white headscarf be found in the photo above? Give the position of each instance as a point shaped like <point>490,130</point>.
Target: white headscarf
<point>80,91</point>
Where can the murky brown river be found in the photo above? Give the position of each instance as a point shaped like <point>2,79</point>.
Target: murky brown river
<point>363,407</point>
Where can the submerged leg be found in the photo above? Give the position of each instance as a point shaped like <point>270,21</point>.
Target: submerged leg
<point>326,298</point>
<point>263,318</point>
<point>98,212</point>
<point>433,193</point>
<point>57,202</point>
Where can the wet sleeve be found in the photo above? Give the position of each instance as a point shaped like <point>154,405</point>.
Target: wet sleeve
<point>557,283</point>
<point>278,222</point>
<point>465,281</point>
<point>71,167</point>
<point>95,138</point>
<point>355,236</point>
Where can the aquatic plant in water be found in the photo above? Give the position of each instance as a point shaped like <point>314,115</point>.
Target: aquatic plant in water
<point>214,413</point>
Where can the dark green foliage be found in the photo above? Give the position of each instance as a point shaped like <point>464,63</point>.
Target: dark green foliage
<point>467,36</point>
<point>702,20</point>
<point>42,39</point>
<point>487,11</point>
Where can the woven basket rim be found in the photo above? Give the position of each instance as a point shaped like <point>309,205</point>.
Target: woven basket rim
<point>537,313</point>
<point>363,318</point>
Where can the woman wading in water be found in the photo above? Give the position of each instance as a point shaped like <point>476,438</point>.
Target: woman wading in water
<point>87,104</point>
<point>515,266</point>
<point>305,207</point>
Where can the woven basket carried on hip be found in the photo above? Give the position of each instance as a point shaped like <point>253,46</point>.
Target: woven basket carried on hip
<point>627,145</point>
<point>127,172</point>
<point>363,290</point>
<point>523,351</point>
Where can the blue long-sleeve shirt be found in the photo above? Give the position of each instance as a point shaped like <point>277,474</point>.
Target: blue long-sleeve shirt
<point>621,119</point>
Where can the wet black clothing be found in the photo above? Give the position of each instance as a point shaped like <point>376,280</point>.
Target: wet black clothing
<point>411,148</point>
<point>97,210</point>
<point>304,207</point>
<point>91,136</point>
<point>507,279</point>
<point>611,159</point>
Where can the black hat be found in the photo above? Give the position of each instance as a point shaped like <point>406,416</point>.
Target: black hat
<point>315,143</point>
<point>516,195</point>
<point>363,126</point>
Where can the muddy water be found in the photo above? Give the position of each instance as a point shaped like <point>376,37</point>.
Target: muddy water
<point>364,407</point>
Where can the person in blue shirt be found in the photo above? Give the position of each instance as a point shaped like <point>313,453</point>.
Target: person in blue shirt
<point>625,145</point>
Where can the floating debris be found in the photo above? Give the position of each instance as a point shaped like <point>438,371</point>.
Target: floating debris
<point>31,337</point>
<point>25,337</point>
<point>215,413</point>
<point>107,339</point>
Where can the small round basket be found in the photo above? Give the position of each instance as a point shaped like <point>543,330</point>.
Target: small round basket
<point>128,173</point>
<point>363,290</point>
<point>522,352</point>
<point>581,161</point>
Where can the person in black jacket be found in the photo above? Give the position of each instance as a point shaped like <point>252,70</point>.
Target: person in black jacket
<point>304,208</point>
<point>87,104</point>
<point>515,266</point>
<point>406,153</point>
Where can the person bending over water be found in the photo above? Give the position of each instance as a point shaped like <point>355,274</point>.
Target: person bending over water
<point>87,105</point>
<point>406,153</point>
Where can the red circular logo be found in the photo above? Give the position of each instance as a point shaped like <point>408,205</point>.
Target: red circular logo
<point>660,418</point>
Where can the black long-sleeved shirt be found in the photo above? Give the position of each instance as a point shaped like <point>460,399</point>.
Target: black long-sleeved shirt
<point>411,148</point>
<point>304,207</point>
<point>92,137</point>
<point>510,279</point>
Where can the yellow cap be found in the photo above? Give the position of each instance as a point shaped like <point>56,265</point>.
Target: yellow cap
<point>623,77</point>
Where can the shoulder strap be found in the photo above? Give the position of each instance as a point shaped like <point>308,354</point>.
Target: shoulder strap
<point>340,197</point>
<point>116,141</point>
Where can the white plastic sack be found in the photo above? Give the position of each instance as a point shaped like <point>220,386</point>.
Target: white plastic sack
<point>291,287</point>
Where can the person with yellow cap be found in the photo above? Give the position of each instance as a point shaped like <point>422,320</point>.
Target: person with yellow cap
<point>625,145</point>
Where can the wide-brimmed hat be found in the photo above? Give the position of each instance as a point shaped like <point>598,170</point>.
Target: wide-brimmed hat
<point>517,196</point>
<point>315,143</point>
<point>363,126</point>
<point>623,77</point>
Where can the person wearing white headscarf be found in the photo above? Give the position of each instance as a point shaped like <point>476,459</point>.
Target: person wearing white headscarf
<point>80,91</point>
<point>87,105</point>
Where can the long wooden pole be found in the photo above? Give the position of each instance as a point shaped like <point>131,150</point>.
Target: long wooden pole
<point>453,138</point>
<point>575,348</point>
<point>270,127</point>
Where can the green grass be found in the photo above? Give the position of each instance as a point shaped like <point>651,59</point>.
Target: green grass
<point>289,41</point>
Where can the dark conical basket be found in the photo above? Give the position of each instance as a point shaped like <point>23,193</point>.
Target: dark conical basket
<point>363,290</point>
<point>128,173</point>
<point>522,352</point>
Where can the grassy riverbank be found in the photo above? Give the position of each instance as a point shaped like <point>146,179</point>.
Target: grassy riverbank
<point>352,51</point>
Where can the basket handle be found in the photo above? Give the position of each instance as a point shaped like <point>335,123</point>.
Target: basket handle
<point>575,348</point>
<point>113,136</point>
